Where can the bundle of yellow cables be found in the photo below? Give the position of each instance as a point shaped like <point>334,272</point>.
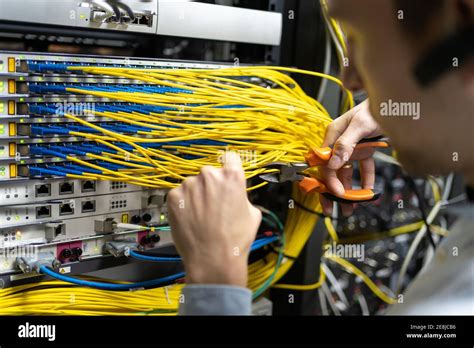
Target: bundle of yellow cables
<point>230,105</point>
<point>232,108</point>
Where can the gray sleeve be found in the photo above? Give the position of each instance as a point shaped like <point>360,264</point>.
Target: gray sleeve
<point>215,299</point>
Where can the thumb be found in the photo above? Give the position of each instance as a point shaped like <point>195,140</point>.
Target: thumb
<point>345,145</point>
<point>341,153</point>
<point>256,214</point>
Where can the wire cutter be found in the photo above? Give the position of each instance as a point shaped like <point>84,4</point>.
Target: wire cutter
<point>317,157</point>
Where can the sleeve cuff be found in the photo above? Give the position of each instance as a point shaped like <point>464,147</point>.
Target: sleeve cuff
<point>215,299</point>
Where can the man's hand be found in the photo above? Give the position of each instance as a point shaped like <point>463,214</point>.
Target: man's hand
<point>213,224</point>
<point>344,133</point>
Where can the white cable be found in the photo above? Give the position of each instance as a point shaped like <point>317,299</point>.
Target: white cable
<point>447,187</point>
<point>332,279</point>
<point>339,48</point>
<point>328,294</point>
<point>385,158</point>
<point>414,245</point>
<point>131,226</point>
<point>335,214</point>
<point>322,302</point>
<point>387,290</point>
<point>326,68</point>
<point>422,232</point>
<point>429,253</point>
<point>443,223</point>
<point>462,197</point>
<point>363,305</point>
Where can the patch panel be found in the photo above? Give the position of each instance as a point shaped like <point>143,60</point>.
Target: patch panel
<point>91,247</point>
<point>44,63</point>
<point>67,208</point>
<point>42,88</point>
<point>23,191</point>
<point>40,205</point>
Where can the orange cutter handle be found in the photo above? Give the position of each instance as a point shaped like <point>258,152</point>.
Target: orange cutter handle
<point>309,184</point>
<point>320,156</point>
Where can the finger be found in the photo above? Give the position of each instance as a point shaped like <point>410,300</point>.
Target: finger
<point>336,128</point>
<point>367,173</point>
<point>326,204</point>
<point>231,160</point>
<point>363,153</point>
<point>210,174</point>
<point>340,124</point>
<point>329,177</point>
<point>345,176</point>
<point>193,193</point>
<point>233,171</point>
<point>208,170</point>
<point>173,197</point>
<point>210,177</point>
<point>345,145</point>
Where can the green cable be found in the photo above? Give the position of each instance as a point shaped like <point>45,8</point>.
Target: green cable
<point>268,282</point>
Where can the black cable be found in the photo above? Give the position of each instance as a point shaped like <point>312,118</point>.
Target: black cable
<point>115,8</point>
<point>272,250</point>
<point>157,254</point>
<point>127,9</point>
<point>411,183</point>
<point>301,206</point>
<point>382,224</point>
<point>470,193</point>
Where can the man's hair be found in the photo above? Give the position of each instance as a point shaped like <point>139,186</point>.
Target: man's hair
<point>418,14</point>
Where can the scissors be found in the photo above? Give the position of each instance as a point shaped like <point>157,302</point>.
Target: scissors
<point>318,157</point>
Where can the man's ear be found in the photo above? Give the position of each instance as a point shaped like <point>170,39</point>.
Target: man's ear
<point>350,75</point>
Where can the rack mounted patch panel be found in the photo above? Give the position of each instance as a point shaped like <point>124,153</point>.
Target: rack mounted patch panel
<point>41,207</point>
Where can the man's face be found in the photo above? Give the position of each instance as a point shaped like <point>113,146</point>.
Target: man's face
<point>382,58</point>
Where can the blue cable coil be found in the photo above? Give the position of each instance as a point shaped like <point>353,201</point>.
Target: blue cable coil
<point>139,256</point>
<point>140,285</point>
<point>107,286</point>
<point>257,244</point>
